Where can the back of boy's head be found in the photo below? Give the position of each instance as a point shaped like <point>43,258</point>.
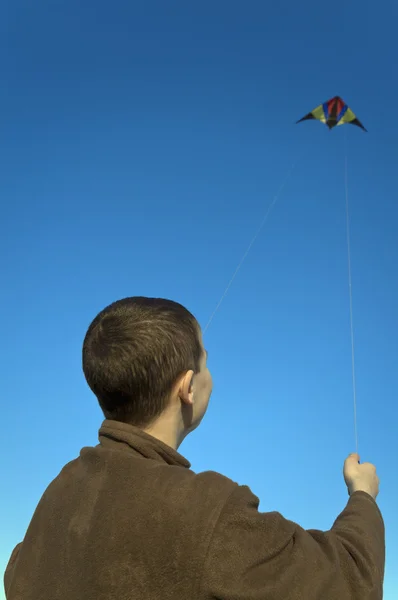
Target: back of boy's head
<point>133,353</point>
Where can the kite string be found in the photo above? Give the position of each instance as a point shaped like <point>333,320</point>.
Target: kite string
<point>254,238</point>
<point>354,390</point>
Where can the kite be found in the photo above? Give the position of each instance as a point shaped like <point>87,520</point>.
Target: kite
<point>333,112</point>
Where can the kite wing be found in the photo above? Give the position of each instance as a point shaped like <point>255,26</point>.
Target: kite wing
<point>332,113</point>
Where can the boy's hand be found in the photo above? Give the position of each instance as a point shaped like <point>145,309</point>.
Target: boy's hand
<point>360,478</point>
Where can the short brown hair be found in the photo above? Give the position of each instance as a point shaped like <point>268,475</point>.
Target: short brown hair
<point>133,353</point>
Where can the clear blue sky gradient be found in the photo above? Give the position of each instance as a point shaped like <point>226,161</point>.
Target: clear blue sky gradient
<point>141,144</point>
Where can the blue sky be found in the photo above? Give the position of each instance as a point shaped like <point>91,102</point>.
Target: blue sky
<point>141,144</point>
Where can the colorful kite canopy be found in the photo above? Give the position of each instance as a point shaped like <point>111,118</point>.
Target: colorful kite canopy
<point>333,112</point>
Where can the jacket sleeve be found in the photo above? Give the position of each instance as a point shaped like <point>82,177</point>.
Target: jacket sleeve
<point>262,556</point>
<point>10,568</point>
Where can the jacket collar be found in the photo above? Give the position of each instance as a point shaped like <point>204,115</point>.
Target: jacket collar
<point>115,433</point>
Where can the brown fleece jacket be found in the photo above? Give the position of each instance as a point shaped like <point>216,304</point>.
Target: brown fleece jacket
<point>129,520</point>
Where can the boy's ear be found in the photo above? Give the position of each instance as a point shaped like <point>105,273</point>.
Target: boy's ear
<point>185,391</point>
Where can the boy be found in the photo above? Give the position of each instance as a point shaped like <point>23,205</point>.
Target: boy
<point>129,520</point>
